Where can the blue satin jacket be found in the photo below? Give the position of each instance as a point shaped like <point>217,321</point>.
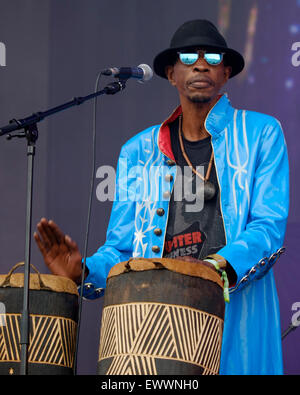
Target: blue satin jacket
<point>252,169</point>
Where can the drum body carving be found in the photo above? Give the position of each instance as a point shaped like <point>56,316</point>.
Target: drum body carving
<point>53,307</point>
<point>161,317</point>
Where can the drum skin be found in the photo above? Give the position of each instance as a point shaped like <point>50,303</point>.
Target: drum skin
<point>161,317</point>
<point>53,325</point>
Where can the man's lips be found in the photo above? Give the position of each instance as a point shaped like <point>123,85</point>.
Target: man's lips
<point>200,82</point>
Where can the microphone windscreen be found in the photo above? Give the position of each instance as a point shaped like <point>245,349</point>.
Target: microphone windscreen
<point>148,72</point>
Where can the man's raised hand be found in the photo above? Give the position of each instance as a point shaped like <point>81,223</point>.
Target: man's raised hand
<point>60,252</point>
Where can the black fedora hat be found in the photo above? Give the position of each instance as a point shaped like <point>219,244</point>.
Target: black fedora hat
<point>198,33</point>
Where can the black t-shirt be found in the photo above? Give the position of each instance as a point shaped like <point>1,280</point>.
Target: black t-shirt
<point>198,233</point>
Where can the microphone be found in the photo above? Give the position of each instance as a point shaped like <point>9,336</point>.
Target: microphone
<point>142,73</point>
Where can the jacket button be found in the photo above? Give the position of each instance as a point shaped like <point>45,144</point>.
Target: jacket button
<point>170,162</point>
<point>160,212</point>
<point>155,249</point>
<point>166,194</point>
<point>157,232</point>
<point>169,177</point>
<point>99,291</point>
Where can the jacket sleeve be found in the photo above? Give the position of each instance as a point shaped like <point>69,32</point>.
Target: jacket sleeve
<point>119,237</point>
<point>257,248</point>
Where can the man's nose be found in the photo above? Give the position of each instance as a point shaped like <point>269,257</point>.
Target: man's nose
<point>201,65</point>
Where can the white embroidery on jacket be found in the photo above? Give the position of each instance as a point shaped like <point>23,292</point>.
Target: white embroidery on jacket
<point>147,207</point>
<point>238,167</point>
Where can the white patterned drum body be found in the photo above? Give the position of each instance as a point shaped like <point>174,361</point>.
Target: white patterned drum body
<point>53,307</point>
<point>161,317</point>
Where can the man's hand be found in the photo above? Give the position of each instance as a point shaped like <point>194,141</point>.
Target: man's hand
<point>189,258</point>
<point>60,252</point>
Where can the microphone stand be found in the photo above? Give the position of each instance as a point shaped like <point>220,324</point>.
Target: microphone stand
<point>291,328</point>
<point>30,132</point>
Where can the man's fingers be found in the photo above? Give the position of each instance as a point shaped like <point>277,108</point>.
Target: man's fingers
<point>71,243</point>
<point>60,252</point>
<point>43,234</point>
<point>48,231</point>
<point>40,244</point>
<point>56,231</point>
<point>48,254</point>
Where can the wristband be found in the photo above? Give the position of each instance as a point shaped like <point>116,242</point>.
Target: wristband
<point>223,276</point>
<point>218,258</point>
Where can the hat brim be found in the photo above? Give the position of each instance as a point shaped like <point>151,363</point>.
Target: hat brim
<point>169,56</point>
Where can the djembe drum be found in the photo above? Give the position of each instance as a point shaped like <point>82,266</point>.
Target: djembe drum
<point>161,317</point>
<point>53,307</point>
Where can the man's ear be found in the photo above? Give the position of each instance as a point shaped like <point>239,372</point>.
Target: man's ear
<point>169,70</point>
<point>227,72</point>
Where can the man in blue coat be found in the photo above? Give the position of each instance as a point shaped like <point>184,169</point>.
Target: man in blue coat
<point>241,159</point>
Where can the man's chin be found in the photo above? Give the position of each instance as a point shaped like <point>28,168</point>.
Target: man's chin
<point>200,99</point>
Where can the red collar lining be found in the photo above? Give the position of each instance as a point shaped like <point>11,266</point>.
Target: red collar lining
<point>164,134</point>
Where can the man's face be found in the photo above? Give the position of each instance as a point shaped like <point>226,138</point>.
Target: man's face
<point>199,82</point>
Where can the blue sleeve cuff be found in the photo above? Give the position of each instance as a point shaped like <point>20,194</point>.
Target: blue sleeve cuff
<point>256,272</point>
